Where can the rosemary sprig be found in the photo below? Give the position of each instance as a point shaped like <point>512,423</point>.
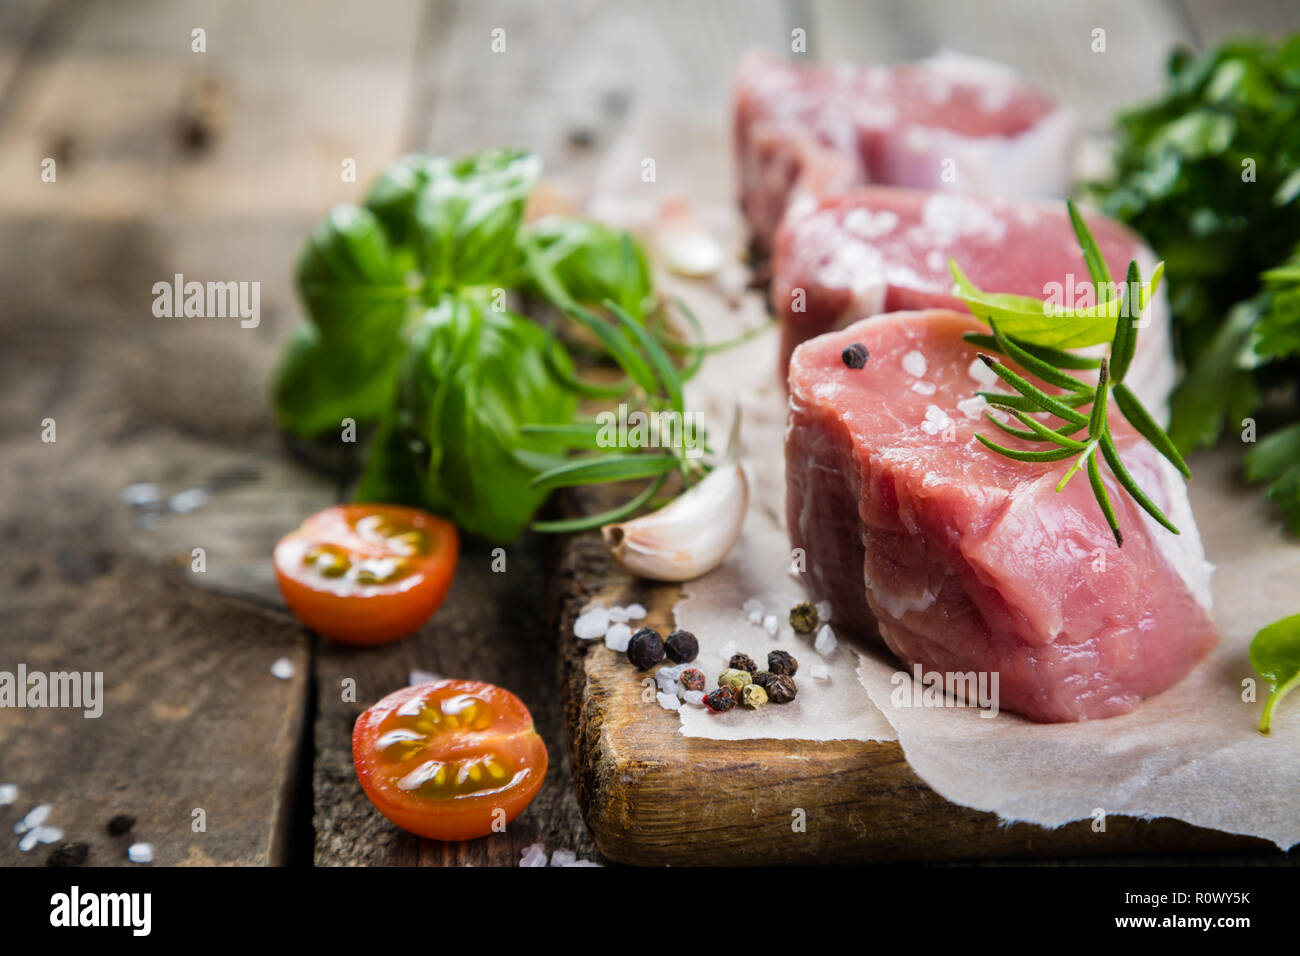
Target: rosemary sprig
<point>1048,364</point>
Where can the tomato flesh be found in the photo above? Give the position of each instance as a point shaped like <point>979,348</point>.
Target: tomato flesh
<point>367,574</point>
<point>449,760</point>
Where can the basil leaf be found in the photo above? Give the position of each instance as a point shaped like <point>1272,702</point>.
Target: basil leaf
<point>592,262</point>
<point>343,365</point>
<point>470,378</point>
<point>1275,655</point>
<point>467,214</point>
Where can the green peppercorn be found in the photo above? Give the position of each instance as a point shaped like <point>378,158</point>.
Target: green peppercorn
<point>779,662</point>
<point>804,618</point>
<point>753,696</point>
<point>682,646</point>
<point>646,648</point>
<point>720,700</point>
<point>692,679</point>
<point>735,679</point>
<point>743,662</point>
<point>782,689</point>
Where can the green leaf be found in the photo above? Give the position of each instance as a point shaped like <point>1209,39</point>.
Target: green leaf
<point>1054,357</point>
<point>467,215</point>
<point>1133,410</point>
<point>1037,430</point>
<point>317,386</point>
<point>1057,454</point>
<point>1035,365</point>
<point>591,261</point>
<point>1275,655</point>
<point>1216,390</point>
<point>603,469</point>
<point>1077,466</point>
<point>1092,256</point>
<point>663,366</point>
<point>587,522</point>
<point>1111,454</point>
<point>1276,460</point>
<point>1125,342</point>
<point>1036,395</point>
<point>1103,499</point>
<point>470,378</point>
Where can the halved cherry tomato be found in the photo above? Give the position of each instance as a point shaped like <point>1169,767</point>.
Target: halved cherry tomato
<point>367,574</point>
<point>449,760</point>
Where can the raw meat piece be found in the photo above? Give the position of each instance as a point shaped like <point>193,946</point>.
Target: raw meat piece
<point>805,132</point>
<point>885,250</point>
<point>962,560</point>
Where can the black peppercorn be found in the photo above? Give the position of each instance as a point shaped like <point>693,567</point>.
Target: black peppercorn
<point>646,648</point>
<point>779,662</point>
<point>804,618</point>
<point>764,678</point>
<point>682,646</point>
<point>855,356</point>
<point>122,823</point>
<point>69,854</point>
<point>692,679</point>
<point>720,700</point>
<point>743,662</point>
<point>782,689</point>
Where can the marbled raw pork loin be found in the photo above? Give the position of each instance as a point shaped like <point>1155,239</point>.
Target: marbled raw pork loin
<point>806,132</point>
<point>886,250</point>
<point>963,560</point>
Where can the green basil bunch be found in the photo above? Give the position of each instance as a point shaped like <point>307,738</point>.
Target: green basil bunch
<point>408,330</point>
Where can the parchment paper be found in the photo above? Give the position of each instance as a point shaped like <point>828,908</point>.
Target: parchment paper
<point>1192,752</point>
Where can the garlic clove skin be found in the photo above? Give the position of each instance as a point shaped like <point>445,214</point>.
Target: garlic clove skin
<point>688,537</point>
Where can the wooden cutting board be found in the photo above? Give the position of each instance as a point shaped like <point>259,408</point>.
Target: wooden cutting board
<point>654,797</point>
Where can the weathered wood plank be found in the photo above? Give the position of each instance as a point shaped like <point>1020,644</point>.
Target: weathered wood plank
<point>1211,22</point>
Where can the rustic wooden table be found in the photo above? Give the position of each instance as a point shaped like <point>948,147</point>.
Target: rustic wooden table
<point>214,164</point>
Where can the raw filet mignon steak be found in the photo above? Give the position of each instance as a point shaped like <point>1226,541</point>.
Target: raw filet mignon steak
<point>962,560</point>
<point>886,250</point>
<point>806,132</point>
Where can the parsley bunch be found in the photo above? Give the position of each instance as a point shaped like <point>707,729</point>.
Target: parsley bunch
<point>1210,175</point>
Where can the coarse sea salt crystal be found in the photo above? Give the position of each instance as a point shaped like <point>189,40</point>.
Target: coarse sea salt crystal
<point>533,855</point>
<point>770,624</point>
<point>924,388</point>
<point>695,697</point>
<point>819,672</point>
<point>563,858</point>
<point>47,834</point>
<point>618,614</point>
<point>973,407</point>
<point>982,373</point>
<point>618,637</point>
<point>282,669</point>
<point>635,612</point>
<point>417,677</point>
<point>591,624</point>
<point>28,841</point>
<point>191,499</point>
<point>141,495</point>
<point>826,642</point>
<point>584,863</point>
<point>667,682</point>
<point>823,610</point>
<point>914,364</point>
<point>8,793</point>
<point>727,650</point>
<point>140,853</point>
<point>35,817</point>
<point>668,701</point>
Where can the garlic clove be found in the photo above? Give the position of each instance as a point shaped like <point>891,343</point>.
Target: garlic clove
<point>688,537</point>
